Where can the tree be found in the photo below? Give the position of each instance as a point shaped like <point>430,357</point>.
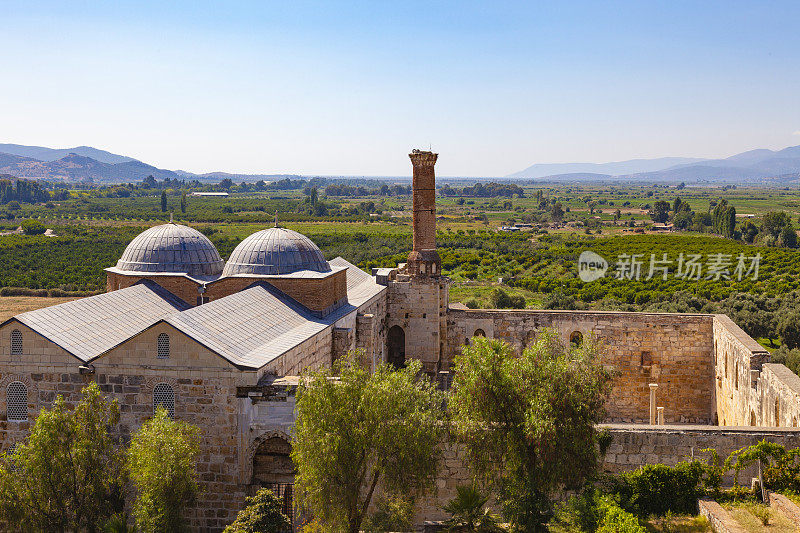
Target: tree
<point>67,475</point>
<point>360,430</point>
<point>789,329</point>
<point>788,236</point>
<point>163,201</point>
<point>556,212</point>
<point>773,222</point>
<point>262,515</point>
<point>660,212</point>
<point>33,227</point>
<point>183,202</point>
<point>162,466</point>
<point>529,421</point>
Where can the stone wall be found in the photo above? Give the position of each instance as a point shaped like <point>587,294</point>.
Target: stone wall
<point>750,391</point>
<point>635,445</point>
<point>737,360</point>
<point>672,350</point>
<point>204,385</point>
<point>419,306</point>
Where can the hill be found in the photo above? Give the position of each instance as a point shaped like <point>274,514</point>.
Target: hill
<point>757,164</point>
<point>42,153</point>
<point>77,168</point>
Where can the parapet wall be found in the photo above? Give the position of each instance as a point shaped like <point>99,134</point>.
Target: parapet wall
<point>673,350</point>
<point>635,445</point>
<point>749,390</point>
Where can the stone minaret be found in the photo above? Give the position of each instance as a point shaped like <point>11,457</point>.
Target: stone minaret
<point>424,261</point>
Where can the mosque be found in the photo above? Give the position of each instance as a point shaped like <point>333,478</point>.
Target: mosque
<point>220,344</point>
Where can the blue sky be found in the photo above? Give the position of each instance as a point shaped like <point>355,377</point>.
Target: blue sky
<point>351,87</point>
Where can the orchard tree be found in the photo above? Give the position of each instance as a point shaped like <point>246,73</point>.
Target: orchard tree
<point>660,211</point>
<point>162,464</point>
<point>67,475</point>
<point>789,329</point>
<point>528,421</point>
<point>361,429</point>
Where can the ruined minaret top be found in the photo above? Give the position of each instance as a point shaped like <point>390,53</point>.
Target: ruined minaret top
<point>424,259</point>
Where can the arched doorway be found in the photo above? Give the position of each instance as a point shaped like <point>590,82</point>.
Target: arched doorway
<point>273,468</point>
<point>396,341</point>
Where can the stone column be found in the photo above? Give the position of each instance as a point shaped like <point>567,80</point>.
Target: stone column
<point>653,387</point>
<point>660,416</point>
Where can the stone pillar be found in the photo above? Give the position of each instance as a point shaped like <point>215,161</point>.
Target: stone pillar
<point>660,416</point>
<point>653,387</point>
<point>424,259</point>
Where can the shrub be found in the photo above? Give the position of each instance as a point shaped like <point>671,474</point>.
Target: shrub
<point>391,514</point>
<point>656,489</point>
<point>617,520</point>
<point>262,514</point>
<point>760,511</point>
<point>468,511</point>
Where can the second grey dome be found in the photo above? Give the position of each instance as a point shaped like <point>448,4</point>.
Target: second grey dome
<point>275,251</point>
<point>171,248</point>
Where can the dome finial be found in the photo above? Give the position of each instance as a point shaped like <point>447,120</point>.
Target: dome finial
<point>276,218</point>
<point>170,219</point>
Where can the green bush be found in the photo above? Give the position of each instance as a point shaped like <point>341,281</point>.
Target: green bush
<point>262,514</point>
<point>617,520</point>
<point>656,489</point>
<point>590,512</point>
<point>391,514</point>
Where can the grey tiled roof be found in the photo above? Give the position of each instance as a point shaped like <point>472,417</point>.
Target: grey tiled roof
<point>91,326</point>
<point>275,251</point>
<point>361,287</point>
<point>171,248</point>
<point>249,328</point>
<point>252,327</point>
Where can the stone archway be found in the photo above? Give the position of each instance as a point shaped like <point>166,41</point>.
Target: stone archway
<point>273,468</point>
<point>396,341</point>
<point>272,462</point>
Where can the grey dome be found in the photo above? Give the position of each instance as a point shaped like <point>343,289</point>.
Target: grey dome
<point>172,248</point>
<point>275,251</point>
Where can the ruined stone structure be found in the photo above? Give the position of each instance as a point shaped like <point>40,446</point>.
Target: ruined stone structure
<point>220,344</point>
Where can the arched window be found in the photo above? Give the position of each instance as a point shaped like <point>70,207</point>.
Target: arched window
<point>163,346</point>
<point>17,401</point>
<point>479,333</point>
<point>576,338</point>
<point>164,396</point>
<point>752,418</point>
<point>16,342</point>
<point>736,374</point>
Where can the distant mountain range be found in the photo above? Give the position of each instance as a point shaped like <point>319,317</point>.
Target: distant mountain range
<point>755,164</point>
<point>87,164</point>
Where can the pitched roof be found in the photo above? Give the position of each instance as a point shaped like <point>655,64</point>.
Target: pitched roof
<point>361,287</point>
<point>91,326</point>
<point>249,328</point>
<point>252,327</point>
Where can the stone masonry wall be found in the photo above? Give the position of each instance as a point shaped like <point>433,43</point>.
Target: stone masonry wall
<point>417,306</point>
<point>635,445</point>
<point>672,350</point>
<point>204,385</point>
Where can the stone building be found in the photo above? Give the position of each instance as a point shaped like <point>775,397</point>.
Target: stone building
<point>220,344</point>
